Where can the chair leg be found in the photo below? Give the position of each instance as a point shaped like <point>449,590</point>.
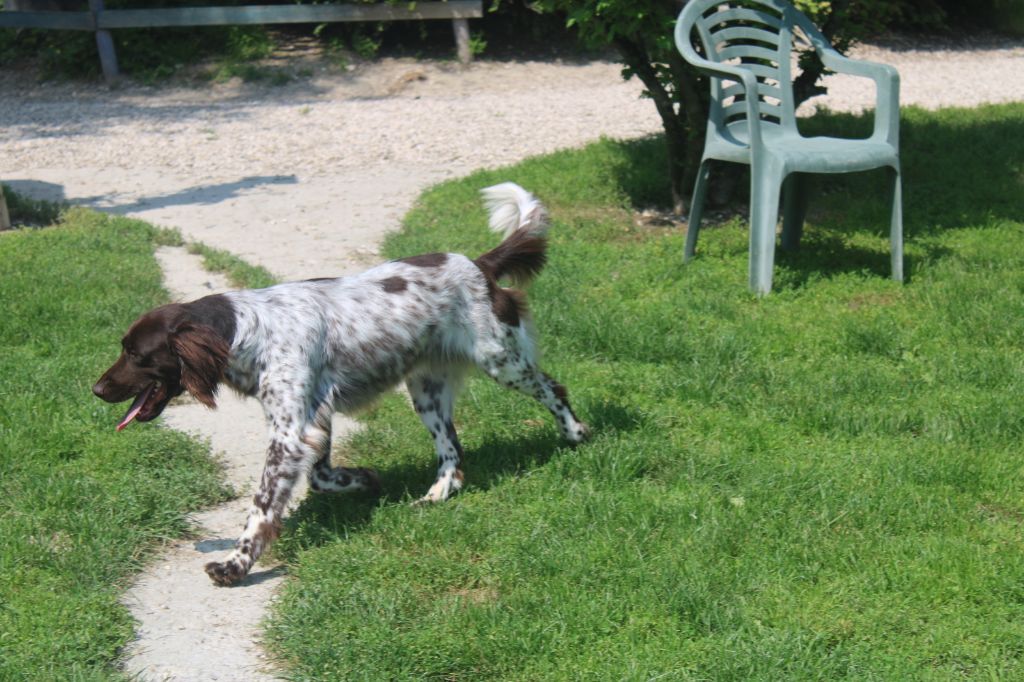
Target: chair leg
<point>765,186</point>
<point>896,227</point>
<point>794,209</point>
<point>700,190</point>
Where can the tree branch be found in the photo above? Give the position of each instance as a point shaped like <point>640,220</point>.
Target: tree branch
<point>636,58</point>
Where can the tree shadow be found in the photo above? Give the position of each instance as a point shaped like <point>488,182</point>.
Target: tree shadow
<point>196,195</point>
<point>642,174</point>
<point>960,168</point>
<point>827,254</point>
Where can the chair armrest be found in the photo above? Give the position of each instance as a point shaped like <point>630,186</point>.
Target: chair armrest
<point>887,80</point>
<point>887,90</point>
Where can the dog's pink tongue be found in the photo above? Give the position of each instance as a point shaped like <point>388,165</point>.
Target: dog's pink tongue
<point>137,404</point>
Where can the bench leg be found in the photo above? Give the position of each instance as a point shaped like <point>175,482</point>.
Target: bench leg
<point>5,216</point>
<point>105,46</point>
<point>461,27</point>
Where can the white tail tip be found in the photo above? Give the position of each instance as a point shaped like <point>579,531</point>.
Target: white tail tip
<point>512,208</point>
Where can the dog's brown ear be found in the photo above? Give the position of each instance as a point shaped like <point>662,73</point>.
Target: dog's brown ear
<point>204,357</point>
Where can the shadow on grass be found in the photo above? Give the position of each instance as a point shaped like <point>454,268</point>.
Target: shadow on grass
<point>961,168</point>
<point>826,254</point>
<point>324,518</point>
<point>28,212</point>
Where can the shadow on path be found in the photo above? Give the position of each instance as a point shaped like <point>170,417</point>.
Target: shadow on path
<point>114,202</point>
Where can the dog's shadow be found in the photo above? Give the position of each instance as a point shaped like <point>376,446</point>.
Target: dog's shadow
<point>323,518</point>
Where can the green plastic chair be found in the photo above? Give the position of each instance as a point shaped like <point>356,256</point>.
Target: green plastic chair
<point>748,47</point>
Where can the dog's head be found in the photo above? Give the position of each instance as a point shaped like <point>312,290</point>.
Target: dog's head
<point>165,352</point>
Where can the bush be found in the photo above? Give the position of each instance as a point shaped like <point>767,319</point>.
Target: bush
<point>148,53</point>
<point>953,15</point>
<point>154,54</point>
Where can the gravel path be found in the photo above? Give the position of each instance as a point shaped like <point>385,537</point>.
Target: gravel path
<point>305,180</point>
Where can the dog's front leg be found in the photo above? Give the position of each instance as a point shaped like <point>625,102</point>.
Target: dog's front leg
<point>286,461</point>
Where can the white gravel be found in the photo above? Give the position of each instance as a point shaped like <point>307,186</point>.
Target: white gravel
<point>300,177</point>
<point>305,180</point>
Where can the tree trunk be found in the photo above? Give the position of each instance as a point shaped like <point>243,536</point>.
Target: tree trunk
<point>693,111</point>
<point>683,127</point>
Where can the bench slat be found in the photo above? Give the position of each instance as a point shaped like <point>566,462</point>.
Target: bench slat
<point>253,14</point>
<point>284,14</point>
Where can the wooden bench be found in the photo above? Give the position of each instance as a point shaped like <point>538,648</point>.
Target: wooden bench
<point>102,21</point>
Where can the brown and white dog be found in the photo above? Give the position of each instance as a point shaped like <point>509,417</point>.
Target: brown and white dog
<point>308,349</point>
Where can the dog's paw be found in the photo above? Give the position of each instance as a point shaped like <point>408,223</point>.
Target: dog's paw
<point>580,433</point>
<point>225,573</point>
<point>370,480</point>
<point>444,487</point>
<point>345,480</point>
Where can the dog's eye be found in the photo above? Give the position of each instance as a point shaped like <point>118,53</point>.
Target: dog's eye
<point>141,360</point>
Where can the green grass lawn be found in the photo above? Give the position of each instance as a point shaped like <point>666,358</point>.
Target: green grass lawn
<point>80,505</point>
<point>819,484</point>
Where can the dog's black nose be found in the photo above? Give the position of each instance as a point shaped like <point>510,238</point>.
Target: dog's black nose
<point>98,388</point>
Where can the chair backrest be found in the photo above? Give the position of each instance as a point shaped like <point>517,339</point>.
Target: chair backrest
<point>756,35</point>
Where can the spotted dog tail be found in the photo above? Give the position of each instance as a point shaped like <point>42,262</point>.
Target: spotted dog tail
<point>523,220</point>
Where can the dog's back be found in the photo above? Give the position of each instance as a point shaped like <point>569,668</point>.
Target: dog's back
<point>367,332</point>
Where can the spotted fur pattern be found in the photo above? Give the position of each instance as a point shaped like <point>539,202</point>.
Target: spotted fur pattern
<point>308,349</point>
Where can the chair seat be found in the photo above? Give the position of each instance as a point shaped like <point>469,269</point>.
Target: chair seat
<point>802,154</point>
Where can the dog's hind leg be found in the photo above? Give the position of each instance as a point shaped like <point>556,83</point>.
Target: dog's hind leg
<point>511,363</point>
<point>323,478</point>
<point>433,397</point>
